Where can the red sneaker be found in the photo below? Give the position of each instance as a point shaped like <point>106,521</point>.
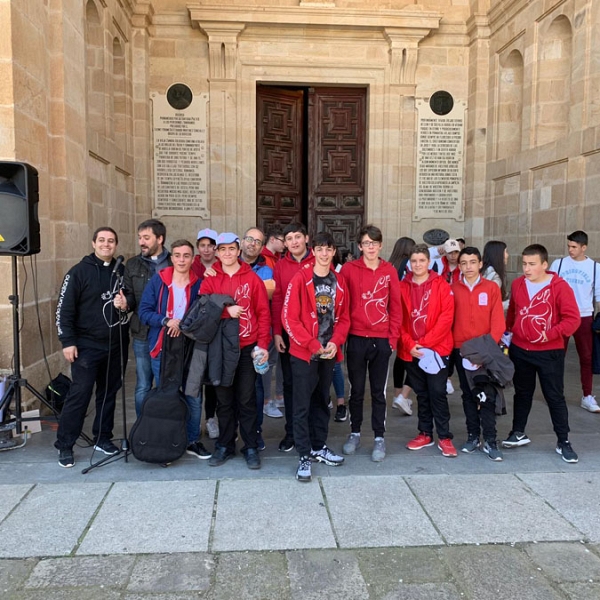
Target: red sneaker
<point>421,441</point>
<point>447,448</point>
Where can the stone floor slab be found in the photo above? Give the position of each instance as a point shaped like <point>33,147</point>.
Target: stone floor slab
<point>169,573</point>
<point>564,562</point>
<point>66,594</point>
<point>14,573</point>
<point>573,495</point>
<point>251,576</point>
<point>424,591</point>
<point>483,509</point>
<point>493,572</point>
<point>318,574</point>
<point>581,591</point>
<point>384,569</point>
<point>377,511</point>
<point>50,520</point>
<point>83,571</point>
<point>271,514</point>
<point>152,517</point>
<point>11,496</point>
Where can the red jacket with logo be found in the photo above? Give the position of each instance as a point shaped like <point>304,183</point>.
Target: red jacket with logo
<point>299,315</point>
<point>283,272</point>
<point>271,258</point>
<point>248,291</point>
<point>477,312</point>
<point>552,310</point>
<point>374,300</point>
<point>438,305</point>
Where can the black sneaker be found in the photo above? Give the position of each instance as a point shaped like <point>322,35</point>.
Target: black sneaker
<point>286,444</point>
<point>66,458</point>
<point>568,454</point>
<point>516,438</point>
<point>107,447</point>
<point>303,473</point>
<point>198,450</point>
<point>252,458</point>
<point>341,413</point>
<point>491,449</point>
<point>219,456</point>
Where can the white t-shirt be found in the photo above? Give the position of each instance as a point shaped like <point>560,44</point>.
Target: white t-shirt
<point>179,301</point>
<point>579,274</point>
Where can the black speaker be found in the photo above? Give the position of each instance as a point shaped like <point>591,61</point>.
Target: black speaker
<point>19,224</point>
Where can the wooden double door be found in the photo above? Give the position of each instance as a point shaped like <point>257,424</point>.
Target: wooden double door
<point>311,157</point>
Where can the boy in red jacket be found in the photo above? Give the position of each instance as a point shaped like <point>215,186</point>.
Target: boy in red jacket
<point>315,316</point>
<point>237,402</point>
<point>375,316</point>
<point>298,255</point>
<point>477,311</point>
<point>541,313</point>
<point>426,329</point>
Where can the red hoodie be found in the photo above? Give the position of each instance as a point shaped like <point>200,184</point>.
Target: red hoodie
<point>283,272</point>
<point>248,291</point>
<point>374,299</point>
<point>553,310</point>
<point>450,276</point>
<point>271,258</point>
<point>477,312</point>
<point>438,305</point>
<point>299,315</point>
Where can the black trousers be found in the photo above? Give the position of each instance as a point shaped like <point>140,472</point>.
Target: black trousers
<point>400,373</point>
<point>210,401</point>
<point>480,417</point>
<point>373,355</point>
<point>549,366</point>
<point>101,368</point>
<point>432,400</point>
<point>237,404</point>
<point>286,373</point>
<point>312,381</point>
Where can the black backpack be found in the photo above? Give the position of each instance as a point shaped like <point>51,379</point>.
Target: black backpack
<point>159,434</point>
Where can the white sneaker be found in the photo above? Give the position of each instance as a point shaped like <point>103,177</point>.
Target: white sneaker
<point>403,404</point>
<point>449,387</point>
<point>212,428</point>
<point>272,411</point>
<point>279,403</point>
<point>589,403</point>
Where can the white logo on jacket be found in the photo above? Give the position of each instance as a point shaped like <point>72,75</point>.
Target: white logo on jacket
<point>242,298</point>
<point>377,301</point>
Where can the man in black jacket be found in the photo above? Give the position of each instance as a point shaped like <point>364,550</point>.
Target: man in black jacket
<point>138,271</point>
<point>87,324</point>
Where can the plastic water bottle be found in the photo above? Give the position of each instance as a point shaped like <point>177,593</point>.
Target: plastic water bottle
<point>257,356</point>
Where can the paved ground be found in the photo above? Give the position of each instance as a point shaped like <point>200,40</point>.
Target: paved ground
<point>417,526</point>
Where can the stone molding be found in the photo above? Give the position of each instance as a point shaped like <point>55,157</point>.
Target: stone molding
<point>403,29</point>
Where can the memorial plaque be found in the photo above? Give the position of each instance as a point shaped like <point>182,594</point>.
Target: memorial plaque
<point>180,152</point>
<point>440,156</point>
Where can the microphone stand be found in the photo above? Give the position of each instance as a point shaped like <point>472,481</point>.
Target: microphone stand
<point>125,450</point>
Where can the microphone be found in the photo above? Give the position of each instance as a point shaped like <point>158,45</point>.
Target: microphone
<point>120,259</point>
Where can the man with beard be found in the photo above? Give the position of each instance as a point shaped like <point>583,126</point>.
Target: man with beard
<point>153,257</point>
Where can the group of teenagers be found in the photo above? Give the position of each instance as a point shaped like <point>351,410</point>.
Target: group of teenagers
<point>437,308</point>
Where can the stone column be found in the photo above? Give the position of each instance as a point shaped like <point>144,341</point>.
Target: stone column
<point>224,205</point>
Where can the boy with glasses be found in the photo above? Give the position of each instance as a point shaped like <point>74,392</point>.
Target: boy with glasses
<point>375,316</point>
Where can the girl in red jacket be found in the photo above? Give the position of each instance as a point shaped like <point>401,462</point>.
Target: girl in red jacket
<point>427,315</point>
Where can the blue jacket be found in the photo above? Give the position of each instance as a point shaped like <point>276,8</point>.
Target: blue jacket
<point>153,307</point>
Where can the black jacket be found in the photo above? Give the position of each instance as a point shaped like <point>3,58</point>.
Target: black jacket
<point>217,343</point>
<point>138,272</point>
<point>85,314</point>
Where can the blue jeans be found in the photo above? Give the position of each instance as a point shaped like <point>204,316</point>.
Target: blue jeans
<point>338,380</point>
<point>194,406</point>
<point>143,372</point>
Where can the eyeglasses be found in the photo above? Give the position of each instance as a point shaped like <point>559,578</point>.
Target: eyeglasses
<point>280,240</point>
<point>370,244</point>
<point>250,240</point>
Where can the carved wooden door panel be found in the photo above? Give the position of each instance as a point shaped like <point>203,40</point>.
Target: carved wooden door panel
<point>336,177</point>
<point>279,148</point>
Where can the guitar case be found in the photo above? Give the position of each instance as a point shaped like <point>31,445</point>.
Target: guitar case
<point>159,434</point>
